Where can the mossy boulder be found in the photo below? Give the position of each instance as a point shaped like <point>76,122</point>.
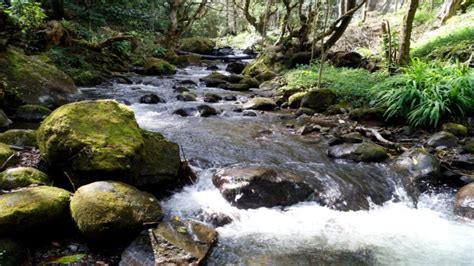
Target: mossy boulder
<point>359,152</point>
<point>251,82</point>
<point>318,99</point>
<point>161,162</point>
<point>215,79</point>
<point>155,66</point>
<point>457,129</point>
<point>109,210</point>
<point>18,177</point>
<point>4,121</point>
<point>235,67</point>
<point>92,139</point>
<point>260,103</point>
<point>295,100</point>
<point>33,208</point>
<point>7,155</point>
<point>33,79</point>
<point>234,87</point>
<point>266,76</point>
<point>32,113</point>
<point>367,114</point>
<point>197,45</point>
<point>12,253</point>
<point>187,96</point>
<point>469,146</point>
<point>19,137</point>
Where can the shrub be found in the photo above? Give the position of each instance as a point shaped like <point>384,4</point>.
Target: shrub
<point>428,93</point>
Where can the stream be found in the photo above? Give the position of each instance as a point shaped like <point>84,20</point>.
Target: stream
<point>388,230</point>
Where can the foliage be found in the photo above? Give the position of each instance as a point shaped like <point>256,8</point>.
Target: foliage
<point>28,14</point>
<point>69,259</point>
<point>428,93</point>
<point>351,85</point>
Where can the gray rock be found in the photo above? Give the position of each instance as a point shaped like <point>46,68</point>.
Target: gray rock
<point>151,99</point>
<point>206,111</point>
<point>464,205</point>
<point>442,139</point>
<point>360,152</point>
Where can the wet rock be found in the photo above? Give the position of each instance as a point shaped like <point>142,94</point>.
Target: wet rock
<point>270,86</point>
<point>188,82</point>
<point>266,76</point>
<point>92,140</point>
<point>155,66</point>
<point>12,253</point>
<point>469,146</point>
<point>230,98</point>
<point>234,87</point>
<point>4,120</point>
<point>215,219</point>
<point>212,98</point>
<point>235,67</point>
<point>160,164</point>
<point>185,112</point>
<point>307,129</point>
<point>235,78</point>
<point>442,139</point>
<point>172,243</point>
<point>19,137</point>
<point>8,156</point>
<point>33,208</point>
<point>249,113</point>
<point>457,129</point>
<point>367,114</point>
<point>212,67</point>
<point>255,187</point>
<point>215,79</point>
<point>107,210</point>
<point>260,103</point>
<point>180,89</point>
<point>206,111</point>
<point>464,205</point>
<point>353,137</point>
<point>19,177</point>
<point>295,100</point>
<point>237,110</point>
<point>151,99</point>
<point>318,100</point>
<point>419,169</point>
<point>224,51</point>
<point>32,113</point>
<point>186,97</point>
<point>360,152</point>
<point>251,82</point>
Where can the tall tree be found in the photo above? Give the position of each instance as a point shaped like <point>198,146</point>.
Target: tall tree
<point>405,33</point>
<point>449,9</point>
<point>182,15</point>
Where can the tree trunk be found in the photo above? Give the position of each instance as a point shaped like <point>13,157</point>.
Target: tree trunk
<point>449,9</point>
<point>172,34</point>
<point>58,9</point>
<point>405,33</point>
<point>344,23</point>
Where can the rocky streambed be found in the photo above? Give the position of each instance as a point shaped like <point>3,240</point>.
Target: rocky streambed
<point>268,188</point>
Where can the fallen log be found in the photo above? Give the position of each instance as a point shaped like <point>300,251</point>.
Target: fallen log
<point>225,58</point>
<point>381,139</point>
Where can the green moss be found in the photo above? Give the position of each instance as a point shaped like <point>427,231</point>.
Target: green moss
<point>260,103</point>
<point>370,152</point>
<point>259,66</point>
<point>91,137</point>
<point>5,155</point>
<point>318,99</point>
<point>155,66</point>
<point>251,82</point>
<point>469,146</point>
<point>457,129</point>
<point>295,100</point>
<point>367,114</point>
<point>19,137</point>
<point>266,76</point>
<point>32,208</point>
<point>197,45</point>
<point>32,112</point>
<point>13,178</point>
<point>112,209</point>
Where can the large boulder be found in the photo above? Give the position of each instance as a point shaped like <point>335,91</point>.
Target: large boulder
<point>359,152</point>
<point>31,113</point>
<point>155,66</point>
<point>419,168</point>
<point>255,187</point>
<point>33,208</point>
<point>318,99</point>
<point>18,177</point>
<point>197,45</point>
<point>215,79</point>
<point>19,137</point>
<point>33,80</point>
<point>364,114</point>
<point>172,243</point>
<point>91,140</point>
<point>295,100</point>
<point>12,253</point>
<point>464,205</point>
<point>260,103</point>
<point>160,164</point>
<point>442,139</point>
<point>111,210</point>
<point>235,67</point>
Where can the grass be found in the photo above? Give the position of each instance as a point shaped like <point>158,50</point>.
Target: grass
<point>350,85</point>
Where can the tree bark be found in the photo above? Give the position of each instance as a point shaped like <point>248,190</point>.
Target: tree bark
<point>405,33</point>
<point>449,9</point>
<point>58,9</point>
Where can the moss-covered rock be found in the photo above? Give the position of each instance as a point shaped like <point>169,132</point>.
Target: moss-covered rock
<point>33,80</point>
<point>108,210</point>
<point>234,87</point>
<point>295,100</point>
<point>339,108</point>
<point>18,177</point>
<point>442,139</point>
<point>367,114</point>
<point>266,76</point>
<point>360,152</point>
<point>251,82</point>
<point>33,208</point>
<point>12,253</point>
<point>92,139</point>
<point>155,66</point>
<point>186,96</point>
<point>4,121</point>
<point>457,129</point>
<point>7,155</point>
<point>260,103</point>
<point>318,99</point>
<point>19,137</point>
<point>197,45</point>
<point>469,146</point>
<point>215,79</point>
<point>32,113</point>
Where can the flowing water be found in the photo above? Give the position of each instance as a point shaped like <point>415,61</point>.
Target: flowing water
<point>391,232</point>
